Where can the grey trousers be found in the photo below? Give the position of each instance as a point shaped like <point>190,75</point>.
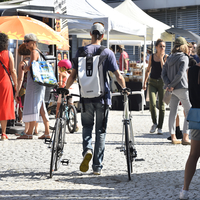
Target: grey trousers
<point>179,95</point>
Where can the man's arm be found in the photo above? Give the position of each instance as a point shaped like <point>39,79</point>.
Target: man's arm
<point>71,79</point>
<point>120,79</point>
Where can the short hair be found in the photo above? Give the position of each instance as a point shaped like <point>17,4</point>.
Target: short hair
<point>3,42</point>
<point>158,42</point>
<point>97,35</point>
<point>198,50</point>
<point>23,51</point>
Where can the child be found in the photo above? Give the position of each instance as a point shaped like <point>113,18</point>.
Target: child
<point>64,72</point>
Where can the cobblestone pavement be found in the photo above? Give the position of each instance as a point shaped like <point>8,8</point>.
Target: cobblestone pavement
<point>24,171</point>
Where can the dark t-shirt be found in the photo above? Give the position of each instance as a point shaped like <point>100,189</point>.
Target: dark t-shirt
<point>196,58</point>
<point>109,64</point>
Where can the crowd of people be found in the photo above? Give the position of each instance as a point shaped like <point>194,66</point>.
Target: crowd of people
<point>177,73</point>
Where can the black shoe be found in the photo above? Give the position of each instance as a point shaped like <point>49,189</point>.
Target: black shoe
<point>179,135</point>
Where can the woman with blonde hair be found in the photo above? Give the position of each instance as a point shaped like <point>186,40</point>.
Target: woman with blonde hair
<point>174,75</point>
<point>34,105</point>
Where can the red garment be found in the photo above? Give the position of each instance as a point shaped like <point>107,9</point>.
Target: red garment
<point>125,55</point>
<point>6,91</point>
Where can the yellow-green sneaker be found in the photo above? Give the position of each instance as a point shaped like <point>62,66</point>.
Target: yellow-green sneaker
<point>86,159</point>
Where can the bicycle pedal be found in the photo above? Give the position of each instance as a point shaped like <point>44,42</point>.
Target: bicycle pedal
<point>47,141</point>
<point>52,128</point>
<point>139,159</point>
<point>65,162</point>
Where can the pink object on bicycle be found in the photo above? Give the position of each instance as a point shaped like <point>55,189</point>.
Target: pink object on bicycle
<point>65,63</point>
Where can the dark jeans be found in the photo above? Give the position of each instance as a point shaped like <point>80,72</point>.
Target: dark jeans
<point>87,118</point>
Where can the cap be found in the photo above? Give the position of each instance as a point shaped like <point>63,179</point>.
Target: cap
<point>65,63</point>
<point>121,46</point>
<point>31,36</point>
<point>97,27</point>
<point>180,41</point>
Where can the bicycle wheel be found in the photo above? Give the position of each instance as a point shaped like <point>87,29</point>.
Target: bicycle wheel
<point>128,155</point>
<point>54,151</point>
<point>51,110</point>
<point>71,121</point>
<point>61,128</point>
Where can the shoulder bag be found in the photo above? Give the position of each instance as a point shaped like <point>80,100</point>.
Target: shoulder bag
<point>194,118</point>
<point>42,73</point>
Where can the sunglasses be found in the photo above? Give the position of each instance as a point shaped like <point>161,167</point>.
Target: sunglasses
<point>98,23</point>
<point>27,41</point>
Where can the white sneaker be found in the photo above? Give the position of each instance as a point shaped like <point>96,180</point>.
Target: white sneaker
<point>153,128</point>
<point>183,194</point>
<point>159,131</point>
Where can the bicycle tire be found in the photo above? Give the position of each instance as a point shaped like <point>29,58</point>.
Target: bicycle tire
<point>71,121</point>
<point>51,110</point>
<point>128,155</point>
<point>54,151</point>
<point>61,140</point>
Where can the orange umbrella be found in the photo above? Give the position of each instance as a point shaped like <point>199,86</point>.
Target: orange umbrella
<point>18,26</point>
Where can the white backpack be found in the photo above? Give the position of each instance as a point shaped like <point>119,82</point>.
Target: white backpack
<point>90,73</point>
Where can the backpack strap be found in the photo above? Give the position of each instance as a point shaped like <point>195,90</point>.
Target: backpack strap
<point>99,51</point>
<point>81,52</point>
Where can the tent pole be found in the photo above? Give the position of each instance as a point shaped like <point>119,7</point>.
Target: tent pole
<point>144,61</point>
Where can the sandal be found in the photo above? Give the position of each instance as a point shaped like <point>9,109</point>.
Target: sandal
<point>26,137</point>
<point>35,133</point>
<point>44,137</point>
<point>20,134</point>
<point>4,136</point>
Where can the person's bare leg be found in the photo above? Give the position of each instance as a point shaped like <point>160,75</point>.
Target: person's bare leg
<point>190,167</point>
<point>3,129</point>
<point>36,129</point>
<point>46,124</point>
<point>29,133</point>
<point>177,120</point>
<point>57,109</point>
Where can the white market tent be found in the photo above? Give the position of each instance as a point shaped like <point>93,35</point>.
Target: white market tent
<point>116,24</point>
<point>155,28</point>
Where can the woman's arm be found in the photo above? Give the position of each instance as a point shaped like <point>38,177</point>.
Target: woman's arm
<point>147,73</point>
<point>20,76</point>
<point>34,56</point>
<point>12,70</point>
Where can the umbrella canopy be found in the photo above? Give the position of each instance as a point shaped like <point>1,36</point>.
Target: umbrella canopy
<point>184,33</point>
<point>18,26</point>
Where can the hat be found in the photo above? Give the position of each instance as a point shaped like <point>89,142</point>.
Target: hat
<point>180,41</point>
<point>31,36</point>
<point>121,46</point>
<point>97,27</point>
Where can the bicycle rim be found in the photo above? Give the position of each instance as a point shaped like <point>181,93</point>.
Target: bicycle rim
<point>52,116</point>
<point>71,122</point>
<point>59,144</point>
<point>128,158</point>
<point>54,152</point>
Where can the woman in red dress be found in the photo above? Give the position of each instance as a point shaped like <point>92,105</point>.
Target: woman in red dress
<point>6,94</point>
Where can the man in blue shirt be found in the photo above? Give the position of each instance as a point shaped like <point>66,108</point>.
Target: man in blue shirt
<point>95,106</point>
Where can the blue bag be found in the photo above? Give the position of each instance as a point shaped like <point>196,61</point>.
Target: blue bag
<point>194,118</point>
<point>43,73</point>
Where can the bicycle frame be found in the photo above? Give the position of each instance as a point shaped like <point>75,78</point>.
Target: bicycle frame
<point>127,117</point>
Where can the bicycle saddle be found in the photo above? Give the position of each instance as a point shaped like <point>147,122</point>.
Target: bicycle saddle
<point>62,91</point>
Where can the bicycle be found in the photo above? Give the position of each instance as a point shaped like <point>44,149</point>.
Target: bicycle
<point>129,146</point>
<point>57,140</point>
<point>71,115</point>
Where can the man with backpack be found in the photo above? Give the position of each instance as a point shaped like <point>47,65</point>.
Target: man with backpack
<point>91,65</point>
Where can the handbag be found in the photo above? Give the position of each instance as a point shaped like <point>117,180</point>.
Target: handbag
<point>42,73</point>
<point>167,97</point>
<point>10,78</point>
<point>194,118</point>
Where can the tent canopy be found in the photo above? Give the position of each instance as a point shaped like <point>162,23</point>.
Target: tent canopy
<point>115,22</point>
<point>155,28</point>
<point>184,33</point>
<point>129,42</point>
